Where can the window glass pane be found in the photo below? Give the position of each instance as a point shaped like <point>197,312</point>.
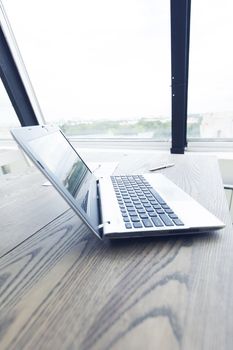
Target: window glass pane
<point>99,68</point>
<point>211,71</point>
<point>12,159</point>
<point>8,117</point>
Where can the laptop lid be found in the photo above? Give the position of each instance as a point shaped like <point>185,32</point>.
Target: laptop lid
<point>57,159</point>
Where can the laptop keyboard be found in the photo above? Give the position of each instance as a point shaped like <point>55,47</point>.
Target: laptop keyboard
<point>141,206</point>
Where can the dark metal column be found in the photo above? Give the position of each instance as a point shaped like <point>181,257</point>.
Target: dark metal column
<point>14,85</point>
<point>180,32</point>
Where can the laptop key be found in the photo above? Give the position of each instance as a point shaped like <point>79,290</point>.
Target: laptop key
<point>152,214</point>
<point>166,220</point>
<point>143,216</point>
<point>126,219</point>
<point>169,211</point>
<point>146,192</point>
<point>135,218</point>
<point>135,200</point>
<point>157,222</point>
<point>147,223</point>
<point>132,213</point>
<point>178,222</point>
<point>157,196</point>
<point>159,211</point>
<point>125,196</point>
<point>128,225</point>
<point>141,211</point>
<point>149,209</point>
<point>173,216</point>
<point>137,224</point>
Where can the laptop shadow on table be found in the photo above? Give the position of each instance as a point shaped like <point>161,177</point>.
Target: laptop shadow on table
<point>184,239</point>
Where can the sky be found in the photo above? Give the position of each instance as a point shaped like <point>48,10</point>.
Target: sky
<point>111,59</point>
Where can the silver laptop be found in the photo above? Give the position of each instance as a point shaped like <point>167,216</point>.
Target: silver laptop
<point>113,206</point>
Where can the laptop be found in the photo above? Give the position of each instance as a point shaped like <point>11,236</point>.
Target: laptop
<point>113,206</point>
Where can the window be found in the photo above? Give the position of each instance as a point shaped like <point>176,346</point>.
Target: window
<point>210,102</point>
<point>99,68</point>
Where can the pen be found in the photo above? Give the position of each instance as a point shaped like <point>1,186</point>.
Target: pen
<point>162,167</point>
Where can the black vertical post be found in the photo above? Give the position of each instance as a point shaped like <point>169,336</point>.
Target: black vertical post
<point>187,65</point>
<point>180,28</point>
<point>14,85</point>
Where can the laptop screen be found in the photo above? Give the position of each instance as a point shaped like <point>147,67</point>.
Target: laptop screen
<point>63,162</point>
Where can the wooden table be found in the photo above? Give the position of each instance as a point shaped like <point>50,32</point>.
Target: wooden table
<point>62,288</point>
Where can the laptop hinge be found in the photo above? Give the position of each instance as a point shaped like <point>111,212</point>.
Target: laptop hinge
<point>101,224</point>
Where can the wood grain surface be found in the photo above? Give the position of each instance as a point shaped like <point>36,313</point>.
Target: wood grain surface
<point>62,288</point>
<point>25,206</point>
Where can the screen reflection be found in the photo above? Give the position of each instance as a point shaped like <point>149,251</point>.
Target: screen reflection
<point>57,155</point>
